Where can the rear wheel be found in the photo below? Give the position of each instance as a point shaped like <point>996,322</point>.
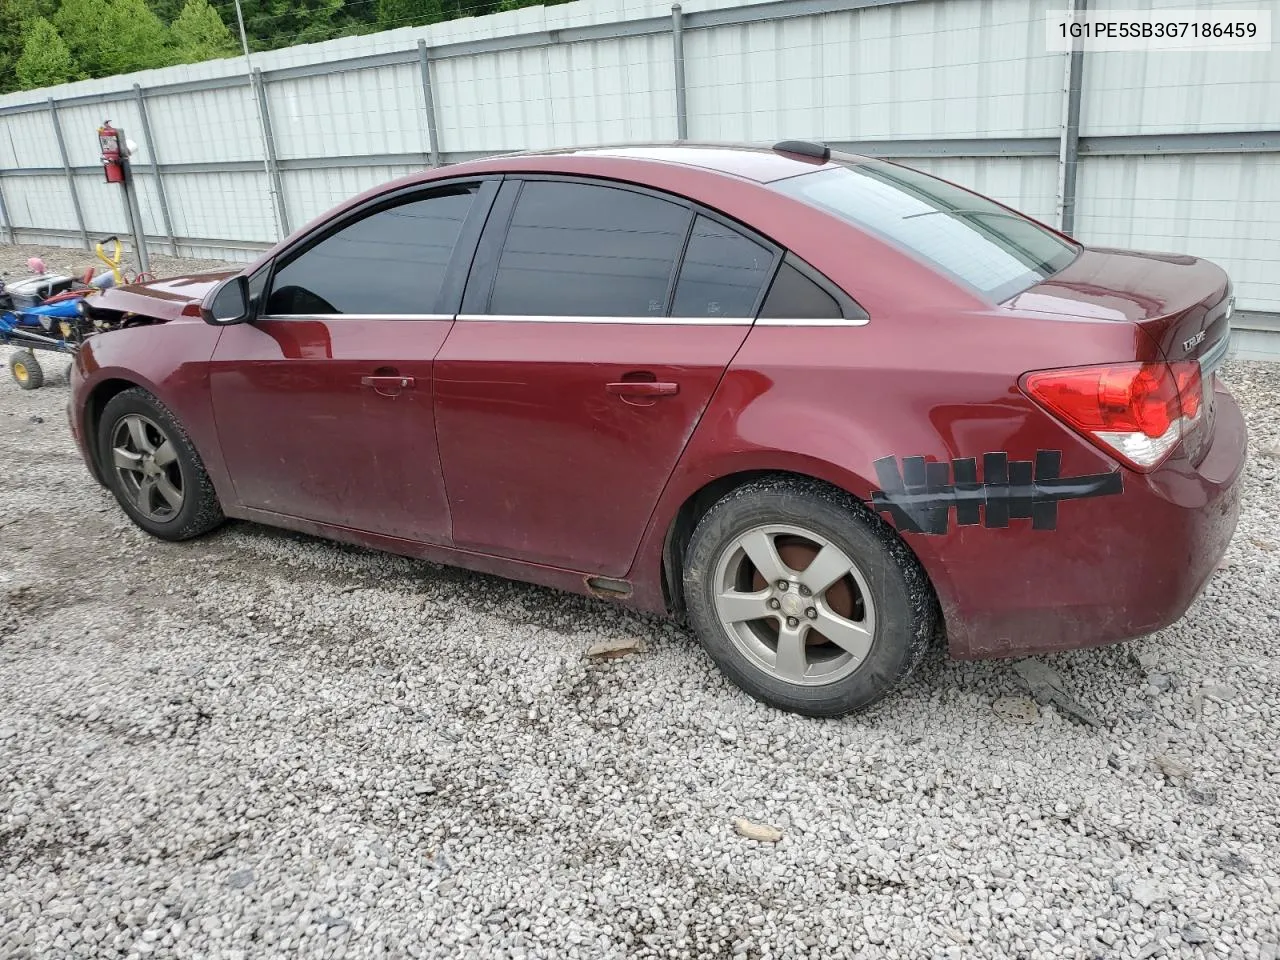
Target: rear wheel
<point>153,469</point>
<point>807,601</point>
<point>26,370</point>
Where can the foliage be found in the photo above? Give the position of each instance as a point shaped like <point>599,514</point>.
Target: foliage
<point>198,34</point>
<point>15,15</point>
<point>45,59</point>
<point>281,23</point>
<point>107,37</point>
<point>141,40</point>
<point>409,13</point>
<point>51,41</point>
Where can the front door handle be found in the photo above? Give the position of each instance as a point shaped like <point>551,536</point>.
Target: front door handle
<point>645,389</point>
<point>388,386</point>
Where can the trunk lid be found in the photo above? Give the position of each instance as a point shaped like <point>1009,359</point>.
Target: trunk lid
<point>165,299</point>
<point>1181,302</point>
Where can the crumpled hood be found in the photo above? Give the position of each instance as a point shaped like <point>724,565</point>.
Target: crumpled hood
<point>165,299</point>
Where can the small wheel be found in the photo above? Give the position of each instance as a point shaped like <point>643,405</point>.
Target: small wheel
<point>805,599</point>
<point>153,469</point>
<point>26,370</point>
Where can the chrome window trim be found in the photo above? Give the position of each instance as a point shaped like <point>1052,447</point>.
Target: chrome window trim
<point>816,322</point>
<point>675,321</point>
<point>646,321</point>
<point>356,316</point>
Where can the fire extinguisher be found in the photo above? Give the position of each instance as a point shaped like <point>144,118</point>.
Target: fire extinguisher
<point>114,152</point>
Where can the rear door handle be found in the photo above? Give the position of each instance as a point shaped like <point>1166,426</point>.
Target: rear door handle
<point>389,386</point>
<point>642,388</point>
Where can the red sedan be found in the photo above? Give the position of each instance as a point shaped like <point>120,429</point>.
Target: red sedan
<point>825,407</point>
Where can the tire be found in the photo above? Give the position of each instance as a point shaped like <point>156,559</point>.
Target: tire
<point>145,484</point>
<point>882,609</point>
<point>26,370</point>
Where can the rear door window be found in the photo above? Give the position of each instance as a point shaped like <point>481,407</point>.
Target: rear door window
<point>722,273</point>
<point>995,251</point>
<point>391,262</point>
<point>583,250</point>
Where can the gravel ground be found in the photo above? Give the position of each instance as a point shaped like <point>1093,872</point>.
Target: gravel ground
<point>260,745</point>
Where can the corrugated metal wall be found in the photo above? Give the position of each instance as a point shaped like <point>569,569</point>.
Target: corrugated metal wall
<point>1179,152</point>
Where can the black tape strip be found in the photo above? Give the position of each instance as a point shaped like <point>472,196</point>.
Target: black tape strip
<point>969,493</point>
<point>995,468</point>
<point>920,496</point>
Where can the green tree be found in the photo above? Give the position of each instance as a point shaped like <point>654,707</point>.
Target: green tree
<point>409,13</point>
<point>107,37</point>
<point>281,23</point>
<point>45,59</point>
<point>81,23</point>
<point>14,17</point>
<point>168,10</point>
<point>199,34</point>
<point>141,40</point>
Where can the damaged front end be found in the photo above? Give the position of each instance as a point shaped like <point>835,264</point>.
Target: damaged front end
<point>155,301</point>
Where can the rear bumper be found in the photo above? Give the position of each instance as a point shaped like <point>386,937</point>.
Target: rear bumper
<point>1132,566</point>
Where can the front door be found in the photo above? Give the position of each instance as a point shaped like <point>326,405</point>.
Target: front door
<point>580,366</point>
<point>324,403</point>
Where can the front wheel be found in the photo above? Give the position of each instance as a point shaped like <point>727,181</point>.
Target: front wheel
<point>153,469</point>
<point>805,599</point>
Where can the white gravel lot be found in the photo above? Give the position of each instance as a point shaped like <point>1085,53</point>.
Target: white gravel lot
<point>260,745</point>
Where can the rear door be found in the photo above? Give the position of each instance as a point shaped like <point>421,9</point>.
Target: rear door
<point>581,362</point>
<point>324,403</point>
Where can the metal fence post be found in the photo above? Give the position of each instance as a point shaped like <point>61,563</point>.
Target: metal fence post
<point>433,137</point>
<point>71,180</point>
<point>1069,152</point>
<point>150,141</point>
<point>275,182</point>
<point>5,222</point>
<point>677,42</point>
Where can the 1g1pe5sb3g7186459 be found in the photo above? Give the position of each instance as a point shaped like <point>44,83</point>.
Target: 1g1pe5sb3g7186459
<point>825,407</point>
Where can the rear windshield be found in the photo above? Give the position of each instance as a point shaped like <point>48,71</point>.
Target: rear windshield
<point>995,251</point>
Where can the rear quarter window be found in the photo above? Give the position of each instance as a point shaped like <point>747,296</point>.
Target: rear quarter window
<point>992,250</point>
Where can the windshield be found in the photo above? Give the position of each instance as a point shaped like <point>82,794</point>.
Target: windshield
<point>995,251</point>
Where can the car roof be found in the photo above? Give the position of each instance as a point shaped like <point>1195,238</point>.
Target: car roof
<point>759,163</point>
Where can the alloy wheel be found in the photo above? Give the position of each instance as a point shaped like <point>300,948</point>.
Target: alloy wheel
<point>795,604</point>
<point>146,463</point>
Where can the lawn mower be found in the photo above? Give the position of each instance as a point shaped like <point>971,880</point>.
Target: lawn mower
<point>47,313</point>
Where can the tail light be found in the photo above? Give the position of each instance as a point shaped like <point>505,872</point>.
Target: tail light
<point>1136,411</point>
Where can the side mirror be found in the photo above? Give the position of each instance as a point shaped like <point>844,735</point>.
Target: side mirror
<point>229,303</point>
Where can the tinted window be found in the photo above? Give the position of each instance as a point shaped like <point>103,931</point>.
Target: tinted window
<point>794,296</point>
<point>390,262</point>
<point>722,273</point>
<point>578,250</point>
<point>996,251</point>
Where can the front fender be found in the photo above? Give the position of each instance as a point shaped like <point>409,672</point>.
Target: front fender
<point>170,361</point>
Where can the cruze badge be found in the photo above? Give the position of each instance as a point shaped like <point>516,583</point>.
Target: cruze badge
<point>1190,342</point>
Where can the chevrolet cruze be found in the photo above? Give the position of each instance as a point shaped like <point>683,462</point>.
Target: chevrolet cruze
<point>826,408</point>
